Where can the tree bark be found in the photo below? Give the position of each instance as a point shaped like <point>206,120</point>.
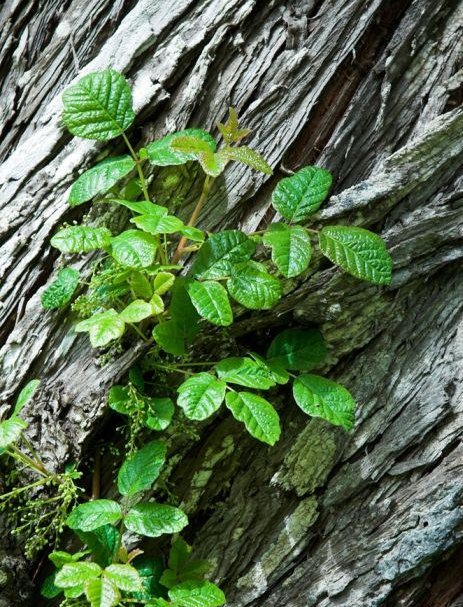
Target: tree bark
<point>370,90</point>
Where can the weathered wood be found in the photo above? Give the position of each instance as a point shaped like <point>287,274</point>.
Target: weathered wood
<point>371,91</point>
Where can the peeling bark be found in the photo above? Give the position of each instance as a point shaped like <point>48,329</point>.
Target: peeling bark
<point>370,90</point>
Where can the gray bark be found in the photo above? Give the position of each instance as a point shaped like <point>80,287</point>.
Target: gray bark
<point>370,90</point>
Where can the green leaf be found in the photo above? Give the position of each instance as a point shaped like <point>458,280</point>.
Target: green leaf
<point>125,577</point>
<point>253,287</point>
<point>60,558</point>
<point>244,372</point>
<point>103,543</point>
<point>102,593</point>
<point>182,567</point>
<point>60,291</point>
<point>141,469</point>
<point>136,311</point>
<point>189,144</point>
<point>154,520</point>
<point>358,252</point>
<point>49,590</point>
<point>81,239</point>
<point>133,249</point>
<point>297,349</point>
<point>182,310</point>
<point>163,281</point>
<point>192,233</point>
<point>217,255</point>
<point>10,431</point>
<point>160,413</point>
<point>291,248</point>
<point>150,571</point>
<point>100,178</point>
<point>211,301</point>
<point>212,163</point>
<point>257,414</point>
<point>168,224</point>
<point>76,574</point>
<point>201,395</point>
<point>140,285</point>
<point>25,395</point>
<point>98,106</point>
<point>119,399</point>
<point>157,305</point>
<point>321,397</point>
<point>274,369</point>
<point>196,594</point>
<point>91,515</point>
<point>299,196</point>
<point>170,335</point>
<point>144,207</point>
<point>230,131</point>
<point>250,157</point>
<point>160,152</point>
<point>102,327</point>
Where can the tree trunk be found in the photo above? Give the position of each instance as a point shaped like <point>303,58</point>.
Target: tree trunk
<point>371,90</point>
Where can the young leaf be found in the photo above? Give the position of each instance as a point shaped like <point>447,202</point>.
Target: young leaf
<point>189,144</point>
<point>297,349</point>
<point>196,594</point>
<point>160,152</point>
<point>141,469</point>
<point>76,574</point>
<point>133,249</point>
<point>91,515</point>
<point>100,178</point>
<point>257,414</point>
<point>250,157</point>
<point>170,335</point>
<point>291,248</point>
<point>136,311</point>
<point>60,558</point>
<point>157,305</point>
<point>201,395</point>
<point>140,285</point>
<point>98,106</point>
<point>25,395</point>
<point>168,224</point>
<point>154,520</point>
<point>358,252</point>
<point>160,412</point>
<point>212,163</point>
<point>163,281</point>
<point>81,239</point>
<point>102,592</point>
<point>220,252</point>
<point>253,287</point>
<point>10,431</point>
<point>182,567</point>
<point>211,301</point>
<point>60,291</point>
<point>299,196</point>
<point>125,577</point>
<point>230,131</point>
<point>244,372</point>
<point>102,327</point>
<point>321,397</point>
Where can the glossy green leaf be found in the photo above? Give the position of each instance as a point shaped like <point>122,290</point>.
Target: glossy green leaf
<point>102,592</point>
<point>212,163</point>
<point>141,469</point>
<point>358,252</point>
<point>253,287</point>
<point>144,207</point>
<point>321,397</point>
<point>245,372</point>
<point>98,106</point>
<point>10,431</point>
<point>94,514</point>
<point>150,571</point>
<point>25,395</point>
<point>154,520</point>
<point>196,594</point>
<point>291,248</point>
<point>61,290</point>
<point>201,395</point>
<point>140,285</point>
<point>168,224</point>
<point>157,305</point>
<point>160,152</point>
<point>276,371</point>
<point>250,157</point>
<point>119,399</point>
<point>217,255</point>
<point>192,233</point>
<point>297,349</point>
<point>189,144</point>
<point>100,178</point>
<point>136,311</point>
<point>183,311</point>
<point>170,335</point>
<point>211,301</point>
<point>102,541</point>
<point>160,413</point>
<point>81,239</point>
<point>163,281</point>
<point>125,577</point>
<point>299,196</point>
<point>75,574</point>
<point>60,557</point>
<point>102,328</point>
<point>134,249</point>
<point>257,414</point>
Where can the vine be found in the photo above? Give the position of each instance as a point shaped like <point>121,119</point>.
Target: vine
<point>141,288</point>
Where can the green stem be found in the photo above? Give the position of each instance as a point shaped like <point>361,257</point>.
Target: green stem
<point>22,489</point>
<point>25,459</point>
<point>137,330</point>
